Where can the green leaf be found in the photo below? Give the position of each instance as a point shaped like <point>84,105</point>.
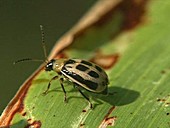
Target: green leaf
<point>131,41</point>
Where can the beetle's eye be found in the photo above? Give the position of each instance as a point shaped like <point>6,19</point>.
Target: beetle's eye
<point>49,66</point>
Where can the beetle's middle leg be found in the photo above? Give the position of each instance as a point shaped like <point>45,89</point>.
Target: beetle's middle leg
<point>65,96</point>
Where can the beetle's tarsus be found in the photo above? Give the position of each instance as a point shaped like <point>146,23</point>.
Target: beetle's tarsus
<point>45,92</point>
<point>65,99</point>
<point>91,105</point>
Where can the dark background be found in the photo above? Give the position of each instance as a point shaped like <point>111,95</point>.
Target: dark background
<point>20,36</point>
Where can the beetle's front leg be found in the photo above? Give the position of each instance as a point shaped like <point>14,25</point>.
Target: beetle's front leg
<point>49,84</point>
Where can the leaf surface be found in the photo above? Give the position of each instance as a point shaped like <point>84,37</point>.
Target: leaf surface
<point>130,40</point>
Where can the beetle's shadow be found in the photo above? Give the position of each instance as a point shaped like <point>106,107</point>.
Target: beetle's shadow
<point>118,97</point>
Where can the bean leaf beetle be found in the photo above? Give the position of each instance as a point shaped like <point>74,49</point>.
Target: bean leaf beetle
<point>80,72</point>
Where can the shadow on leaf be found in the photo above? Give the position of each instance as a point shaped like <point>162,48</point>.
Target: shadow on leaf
<point>120,96</point>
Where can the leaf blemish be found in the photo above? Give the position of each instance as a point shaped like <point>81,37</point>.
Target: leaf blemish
<point>82,125</point>
<point>108,121</point>
<point>133,18</point>
<point>35,124</point>
<point>105,61</point>
<point>24,114</point>
<point>161,100</point>
<point>61,55</point>
<point>84,110</point>
<point>164,101</point>
<point>29,120</point>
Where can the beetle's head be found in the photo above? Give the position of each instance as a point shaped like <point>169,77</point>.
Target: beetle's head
<point>49,65</point>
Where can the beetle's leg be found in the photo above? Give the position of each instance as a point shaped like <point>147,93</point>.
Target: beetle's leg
<point>49,84</point>
<point>65,96</point>
<point>90,104</point>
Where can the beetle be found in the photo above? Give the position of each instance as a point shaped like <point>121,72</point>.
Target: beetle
<point>82,73</point>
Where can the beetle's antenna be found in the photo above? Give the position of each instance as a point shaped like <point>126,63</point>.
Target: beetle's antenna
<point>43,44</point>
<point>44,50</point>
<point>26,59</point>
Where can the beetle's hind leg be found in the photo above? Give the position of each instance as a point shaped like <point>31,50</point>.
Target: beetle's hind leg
<point>90,104</point>
<point>49,84</point>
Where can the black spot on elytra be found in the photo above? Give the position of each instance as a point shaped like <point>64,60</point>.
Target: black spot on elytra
<point>81,67</point>
<point>70,61</point>
<point>73,75</point>
<point>90,84</point>
<point>93,74</point>
<point>86,63</point>
<point>98,68</point>
<point>67,66</point>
